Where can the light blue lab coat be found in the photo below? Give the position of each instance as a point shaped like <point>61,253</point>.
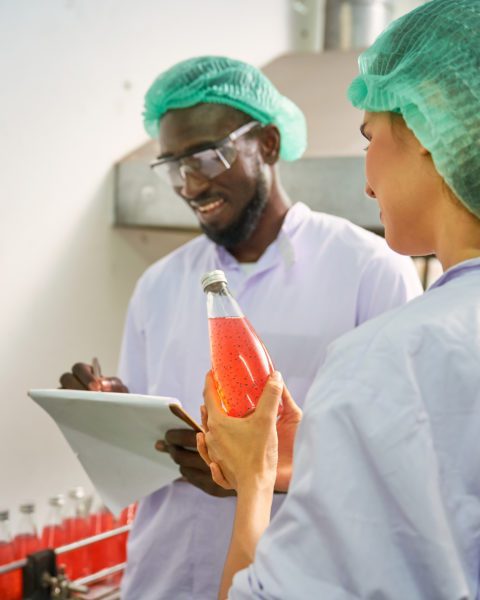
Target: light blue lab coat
<point>385,497</point>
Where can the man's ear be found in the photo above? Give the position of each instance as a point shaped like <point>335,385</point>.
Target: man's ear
<point>269,143</point>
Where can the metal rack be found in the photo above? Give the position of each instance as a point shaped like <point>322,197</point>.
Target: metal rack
<point>44,579</point>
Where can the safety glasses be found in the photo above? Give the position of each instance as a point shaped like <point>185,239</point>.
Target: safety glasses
<point>207,162</point>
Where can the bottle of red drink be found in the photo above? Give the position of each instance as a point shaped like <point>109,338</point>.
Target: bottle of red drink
<point>11,582</point>
<point>240,362</point>
<point>26,541</point>
<point>53,534</point>
<point>105,553</point>
<point>77,561</point>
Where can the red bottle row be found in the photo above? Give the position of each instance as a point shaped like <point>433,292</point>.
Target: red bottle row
<point>59,531</point>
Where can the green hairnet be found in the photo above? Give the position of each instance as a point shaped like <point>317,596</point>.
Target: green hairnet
<point>426,66</point>
<point>221,80</point>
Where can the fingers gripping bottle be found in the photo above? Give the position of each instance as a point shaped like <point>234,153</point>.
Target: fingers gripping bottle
<point>240,362</point>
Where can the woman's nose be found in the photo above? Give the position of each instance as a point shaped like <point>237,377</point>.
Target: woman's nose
<point>368,191</point>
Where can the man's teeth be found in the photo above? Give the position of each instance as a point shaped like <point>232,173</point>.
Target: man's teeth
<point>205,208</point>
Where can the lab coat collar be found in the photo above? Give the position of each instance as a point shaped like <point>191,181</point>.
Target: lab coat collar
<point>280,251</point>
<point>456,271</point>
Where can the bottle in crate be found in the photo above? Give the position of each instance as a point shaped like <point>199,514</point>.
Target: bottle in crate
<point>77,562</point>
<point>11,582</point>
<point>53,533</point>
<point>26,540</point>
<point>104,553</point>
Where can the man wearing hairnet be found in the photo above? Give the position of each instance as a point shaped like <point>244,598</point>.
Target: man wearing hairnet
<point>302,278</point>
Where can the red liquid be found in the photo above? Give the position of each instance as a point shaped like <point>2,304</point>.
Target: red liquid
<point>10,583</point>
<point>24,544</point>
<point>77,562</point>
<point>53,536</point>
<point>105,553</point>
<point>240,364</point>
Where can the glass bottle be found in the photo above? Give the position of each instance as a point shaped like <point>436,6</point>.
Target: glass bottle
<point>240,362</point>
<point>53,534</point>
<point>11,582</point>
<point>26,540</point>
<point>104,553</point>
<point>77,562</point>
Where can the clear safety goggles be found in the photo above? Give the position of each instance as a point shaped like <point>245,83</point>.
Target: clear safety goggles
<point>207,162</point>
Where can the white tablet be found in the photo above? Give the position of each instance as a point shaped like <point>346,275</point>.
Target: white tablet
<point>114,435</point>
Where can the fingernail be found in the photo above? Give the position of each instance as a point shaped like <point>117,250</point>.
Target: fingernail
<point>277,376</point>
<point>161,446</point>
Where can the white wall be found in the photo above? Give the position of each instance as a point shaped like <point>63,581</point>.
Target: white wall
<point>73,77</point>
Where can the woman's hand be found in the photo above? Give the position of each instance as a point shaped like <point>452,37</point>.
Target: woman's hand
<point>287,426</point>
<point>241,452</point>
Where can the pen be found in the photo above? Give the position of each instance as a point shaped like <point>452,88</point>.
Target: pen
<point>97,372</point>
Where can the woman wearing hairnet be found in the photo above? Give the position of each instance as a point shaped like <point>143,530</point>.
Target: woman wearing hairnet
<point>384,500</point>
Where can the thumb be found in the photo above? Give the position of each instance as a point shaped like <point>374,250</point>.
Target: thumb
<point>290,407</point>
<point>213,404</point>
<point>270,398</point>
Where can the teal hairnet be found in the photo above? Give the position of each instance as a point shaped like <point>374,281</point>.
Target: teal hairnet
<point>222,80</point>
<point>426,66</point>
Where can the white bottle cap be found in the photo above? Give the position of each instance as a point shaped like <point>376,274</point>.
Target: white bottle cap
<point>216,276</point>
<point>57,500</point>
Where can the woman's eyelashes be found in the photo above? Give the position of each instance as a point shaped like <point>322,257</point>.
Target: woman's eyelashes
<point>365,135</point>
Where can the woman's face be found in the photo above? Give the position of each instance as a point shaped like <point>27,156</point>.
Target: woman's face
<point>402,179</point>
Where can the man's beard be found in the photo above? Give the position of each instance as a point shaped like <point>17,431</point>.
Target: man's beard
<point>247,222</point>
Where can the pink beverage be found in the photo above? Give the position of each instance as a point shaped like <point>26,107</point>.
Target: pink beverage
<point>77,562</point>
<point>10,583</point>
<point>25,544</point>
<point>240,362</point>
<point>26,541</point>
<point>53,534</point>
<point>104,553</point>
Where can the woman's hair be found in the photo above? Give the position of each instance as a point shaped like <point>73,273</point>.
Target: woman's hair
<point>426,67</point>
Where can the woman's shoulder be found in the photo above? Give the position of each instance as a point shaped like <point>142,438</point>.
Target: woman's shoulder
<point>442,326</point>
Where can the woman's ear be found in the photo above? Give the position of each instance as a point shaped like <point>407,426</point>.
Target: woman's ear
<point>269,142</point>
<point>423,150</point>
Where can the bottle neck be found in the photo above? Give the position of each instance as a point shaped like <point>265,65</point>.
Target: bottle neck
<point>5,535</point>
<point>26,525</point>
<point>55,515</point>
<point>221,303</point>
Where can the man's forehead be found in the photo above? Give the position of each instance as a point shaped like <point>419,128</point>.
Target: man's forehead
<point>184,128</point>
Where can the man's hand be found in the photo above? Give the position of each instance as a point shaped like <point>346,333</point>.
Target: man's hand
<point>82,377</point>
<point>181,445</point>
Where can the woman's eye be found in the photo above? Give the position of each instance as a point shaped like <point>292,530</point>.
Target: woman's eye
<point>366,148</point>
